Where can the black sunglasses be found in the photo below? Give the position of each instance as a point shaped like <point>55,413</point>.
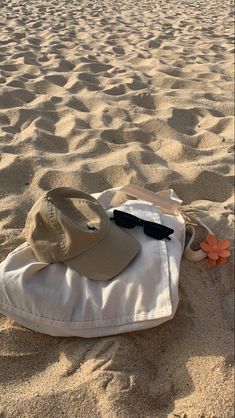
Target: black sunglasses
<point>152,229</point>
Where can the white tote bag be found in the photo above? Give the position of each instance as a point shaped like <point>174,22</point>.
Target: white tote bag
<point>53,299</point>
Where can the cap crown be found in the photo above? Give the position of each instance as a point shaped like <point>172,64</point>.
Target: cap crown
<point>65,223</point>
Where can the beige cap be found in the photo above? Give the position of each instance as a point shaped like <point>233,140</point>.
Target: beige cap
<point>67,225</point>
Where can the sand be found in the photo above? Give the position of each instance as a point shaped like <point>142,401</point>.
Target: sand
<point>96,94</point>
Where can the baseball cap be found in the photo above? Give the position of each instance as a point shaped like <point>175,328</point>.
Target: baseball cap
<point>70,226</point>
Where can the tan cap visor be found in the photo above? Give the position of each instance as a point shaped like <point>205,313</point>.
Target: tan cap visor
<point>108,258</point>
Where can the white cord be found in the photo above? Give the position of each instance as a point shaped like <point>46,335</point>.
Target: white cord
<point>195,219</point>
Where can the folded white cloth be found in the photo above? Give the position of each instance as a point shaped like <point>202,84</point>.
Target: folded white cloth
<point>53,299</point>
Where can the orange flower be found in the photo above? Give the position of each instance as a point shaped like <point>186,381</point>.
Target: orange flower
<point>217,250</point>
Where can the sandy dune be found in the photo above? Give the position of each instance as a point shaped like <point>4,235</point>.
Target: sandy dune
<point>94,94</point>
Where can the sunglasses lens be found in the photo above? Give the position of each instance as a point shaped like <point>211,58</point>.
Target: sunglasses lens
<point>157,231</point>
<point>152,229</point>
<point>124,219</point>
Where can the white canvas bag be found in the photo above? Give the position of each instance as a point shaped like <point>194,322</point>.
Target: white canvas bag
<point>53,299</point>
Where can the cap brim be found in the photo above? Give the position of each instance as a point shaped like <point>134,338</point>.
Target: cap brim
<point>108,258</point>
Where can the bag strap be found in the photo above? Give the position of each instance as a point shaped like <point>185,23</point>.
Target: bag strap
<point>166,200</point>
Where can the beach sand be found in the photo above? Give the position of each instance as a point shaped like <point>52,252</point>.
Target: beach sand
<point>96,94</point>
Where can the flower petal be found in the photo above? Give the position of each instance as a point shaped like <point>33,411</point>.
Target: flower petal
<point>205,247</point>
<point>224,253</point>
<point>212,240</point>
<point>213,255</point>
<point>223,244</point>
<point>212,262</point>
<point>222,260</point>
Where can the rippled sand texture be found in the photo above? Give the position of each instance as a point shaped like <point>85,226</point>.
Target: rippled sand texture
<point>96,94</point>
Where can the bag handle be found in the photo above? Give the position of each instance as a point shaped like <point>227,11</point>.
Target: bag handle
<point>190,254</point>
